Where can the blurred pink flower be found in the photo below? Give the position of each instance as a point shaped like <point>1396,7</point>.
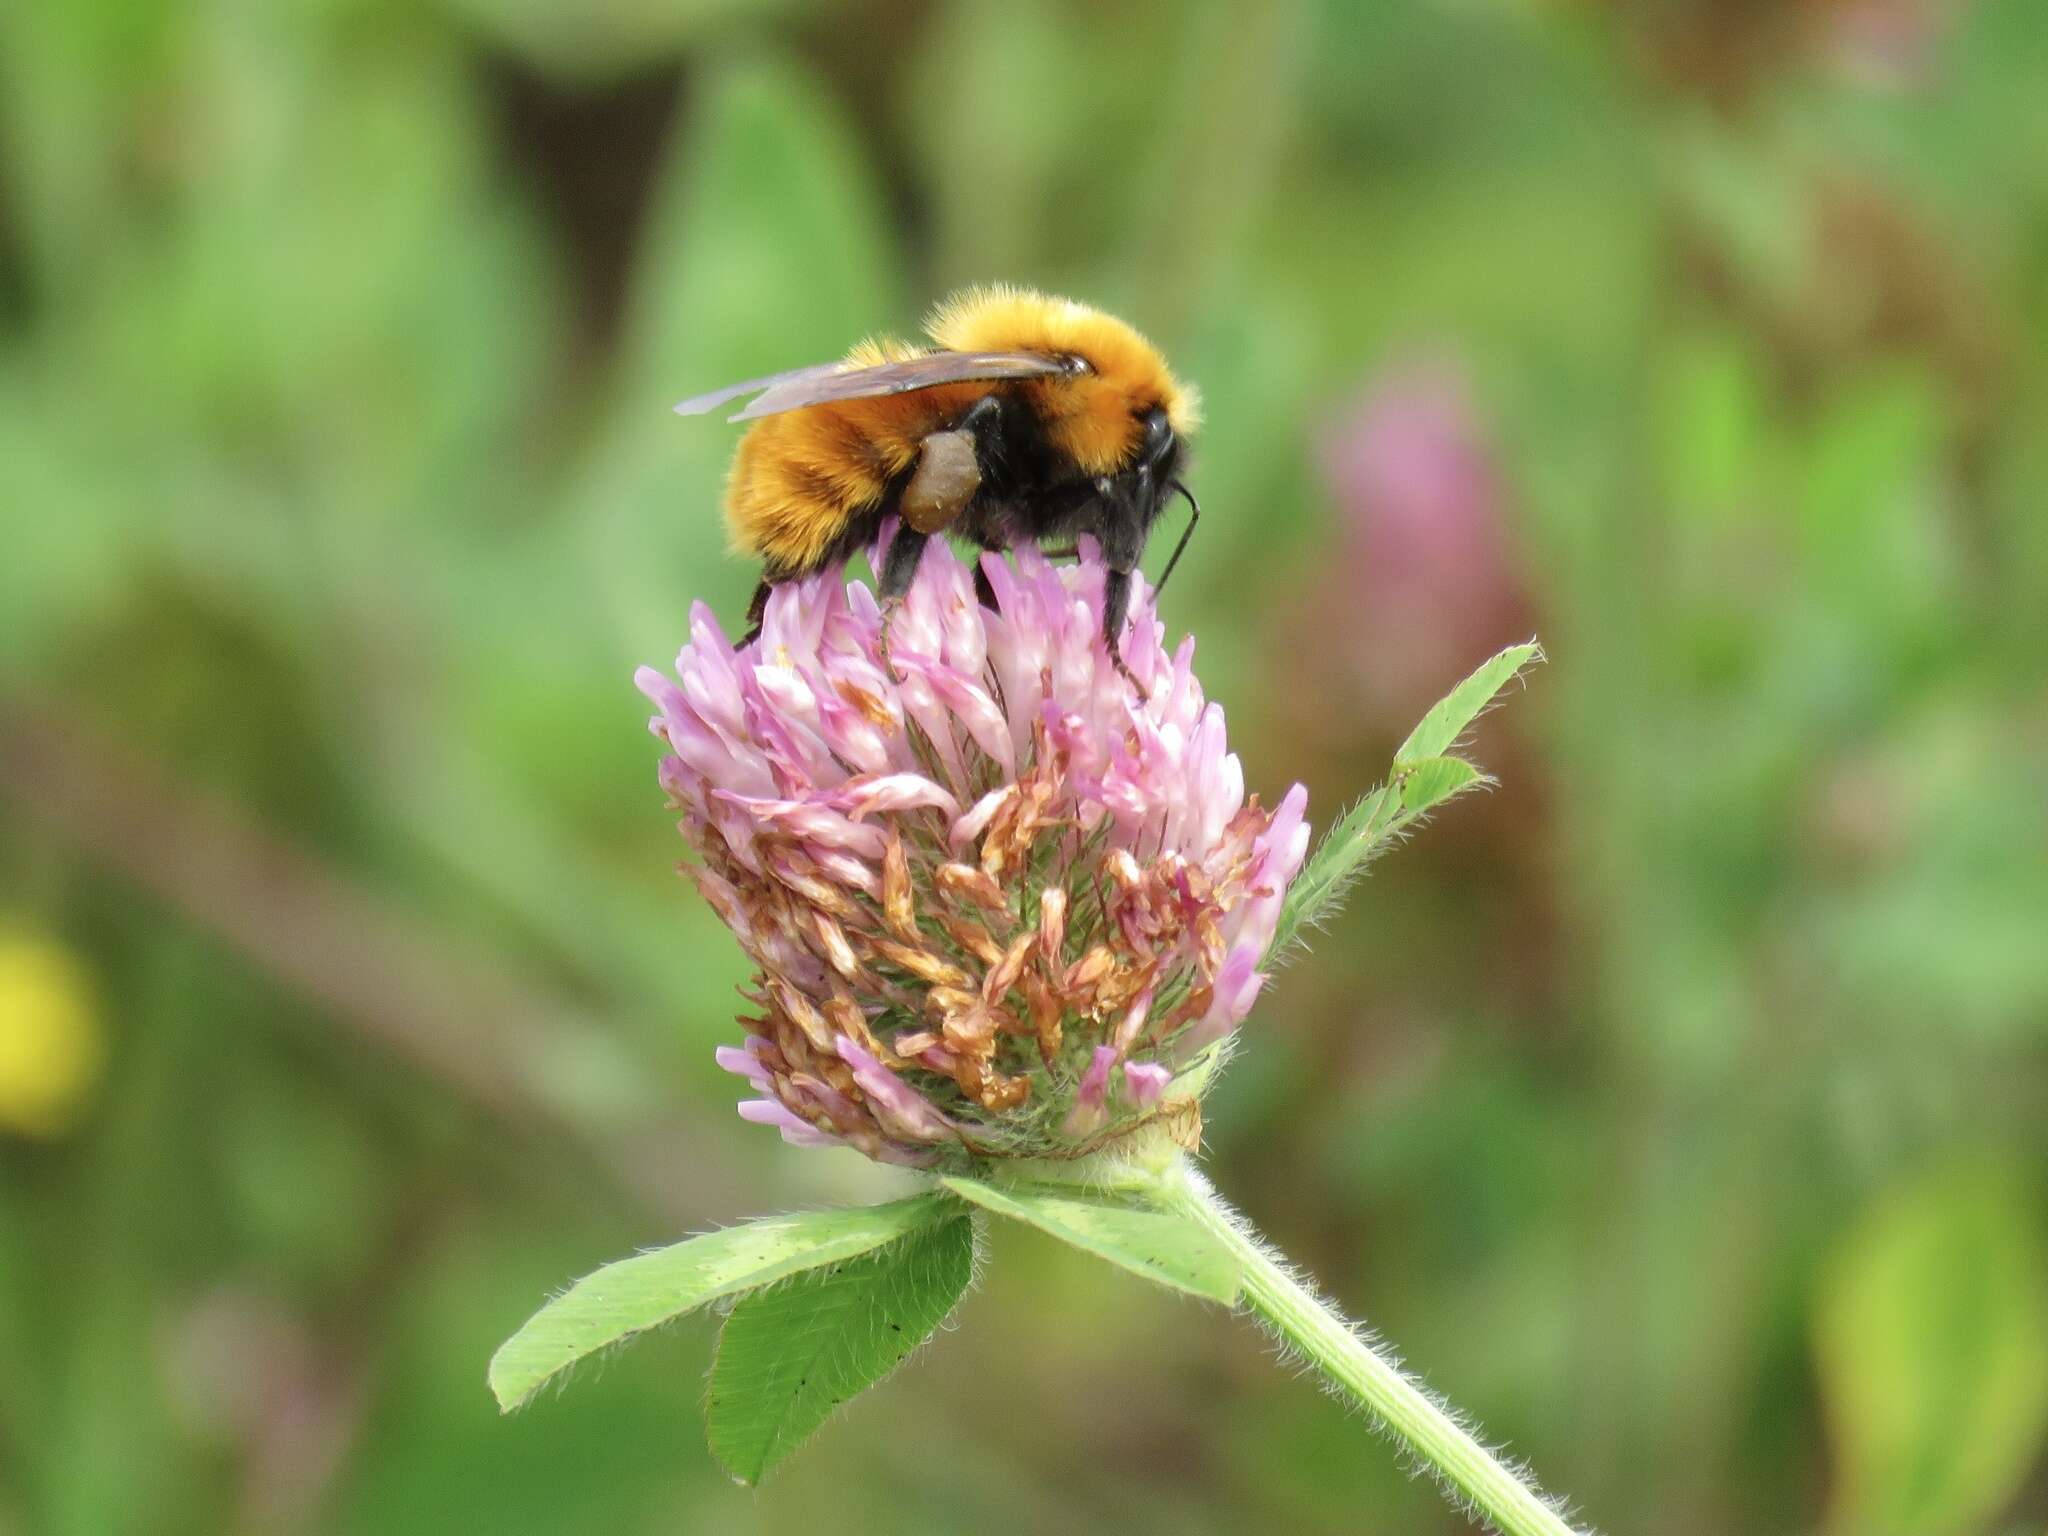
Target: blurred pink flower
<point>1428,579</point>
<point>1890,44</point>
<point>997,898</point>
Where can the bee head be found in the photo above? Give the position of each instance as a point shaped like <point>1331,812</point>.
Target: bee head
<point>1123,409</point>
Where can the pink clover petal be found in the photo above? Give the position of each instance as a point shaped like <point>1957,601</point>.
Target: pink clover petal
<point>895,792</point>
<point>796,1131</point>
<point>902,1110</point>
<point>1091,1099</point>
<point>743,1063</point>
<point>1145,1081</point>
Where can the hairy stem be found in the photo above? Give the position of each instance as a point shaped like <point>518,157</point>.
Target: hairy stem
<point>1290,1308</point>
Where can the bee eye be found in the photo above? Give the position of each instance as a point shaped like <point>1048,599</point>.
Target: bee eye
<point>1158,435</point>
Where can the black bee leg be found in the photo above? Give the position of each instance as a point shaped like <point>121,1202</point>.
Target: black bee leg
<point>1122,531</point>
<point>1116,605</point>
<point>757,608</point>
<point>899,567</point>
<point>984,421</point>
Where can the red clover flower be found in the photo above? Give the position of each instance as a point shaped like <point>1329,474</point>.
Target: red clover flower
<point>1006,909</point>
<point>999,899</point>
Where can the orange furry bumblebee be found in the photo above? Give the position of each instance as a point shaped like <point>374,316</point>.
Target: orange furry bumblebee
<point>1028,418</point>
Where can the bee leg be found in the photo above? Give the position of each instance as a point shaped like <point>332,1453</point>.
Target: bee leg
<point>1116,605</point>
<point>757,608</point>
<point>1122,531</point>
<point>899,566</point>
<point>984,589</point>
<point>983,421</point>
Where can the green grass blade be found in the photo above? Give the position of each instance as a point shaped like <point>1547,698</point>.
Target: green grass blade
<point>1160,1247</point>
<point>653,1288</point>
<point>790,1355</point>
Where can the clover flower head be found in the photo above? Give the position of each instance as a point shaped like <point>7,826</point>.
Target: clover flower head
<point>999,900</point>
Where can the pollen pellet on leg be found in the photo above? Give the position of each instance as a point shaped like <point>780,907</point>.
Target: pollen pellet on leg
<point>945,480</point>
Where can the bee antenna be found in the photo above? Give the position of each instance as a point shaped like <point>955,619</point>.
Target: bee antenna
<point>1194,517</point>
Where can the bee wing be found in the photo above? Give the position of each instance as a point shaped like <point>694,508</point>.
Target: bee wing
<point>697,405</point>
<point>799,387</point>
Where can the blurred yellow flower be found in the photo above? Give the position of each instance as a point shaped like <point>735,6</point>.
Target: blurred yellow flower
<point>51,1047</point>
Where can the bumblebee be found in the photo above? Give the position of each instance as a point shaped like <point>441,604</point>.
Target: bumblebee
<point>1028,418</point>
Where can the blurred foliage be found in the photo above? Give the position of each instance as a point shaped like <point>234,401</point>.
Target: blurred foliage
<point>51,1047</point>
<point>1932,1334</point>
<point>1678,1106</point>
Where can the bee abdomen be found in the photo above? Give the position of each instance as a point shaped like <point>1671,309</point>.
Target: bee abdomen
<point>802,482</point>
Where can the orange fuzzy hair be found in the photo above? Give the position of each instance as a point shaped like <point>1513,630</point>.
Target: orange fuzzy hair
<point>1090,419</point>
<point>800,479</point>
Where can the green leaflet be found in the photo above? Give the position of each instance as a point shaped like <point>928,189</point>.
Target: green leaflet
<point>1163,1248</point>
<point>1446,721</point>
<point>789,1355</point>
<point>1422,779</point>
<point>652,1288</point>
<point>1432,781</point>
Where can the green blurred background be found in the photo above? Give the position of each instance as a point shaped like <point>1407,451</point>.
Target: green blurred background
<point>1679,1108</point>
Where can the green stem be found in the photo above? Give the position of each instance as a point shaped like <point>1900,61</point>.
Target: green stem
<point>1309,1325</point>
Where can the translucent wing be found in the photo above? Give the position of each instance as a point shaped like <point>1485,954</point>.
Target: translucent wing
<point>799,387</point>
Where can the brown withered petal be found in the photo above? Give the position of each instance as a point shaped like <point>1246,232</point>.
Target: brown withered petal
<point>1089,972</point>
<point>801,876</point>
<point>922,963</point>
<point>800,1011</point>
<point>1004,973</point>
<point>945,1000</point>
<point>1005,1092</point>
<point>965,881</point>
<point>1052,922</point>
<point>899,909</point>
<point>832,944</point>
<point>1046,1012</point>
<point>971,1030</point>
<point>973,938</point>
